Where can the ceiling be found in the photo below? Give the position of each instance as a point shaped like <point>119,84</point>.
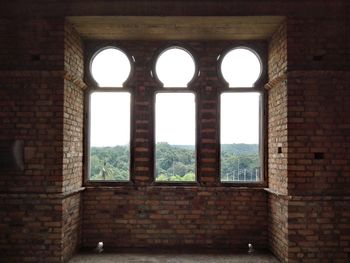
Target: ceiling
<point>176,27</point>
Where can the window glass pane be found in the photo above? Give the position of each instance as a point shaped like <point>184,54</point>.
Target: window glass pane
<point>175,137</point>
<point>110,68</point>
<point>109,136</point>
<point>241,68</point>
<point>175,67</point>
<point>239,136</point>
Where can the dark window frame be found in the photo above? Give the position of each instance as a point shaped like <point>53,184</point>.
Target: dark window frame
<point>153,171</point>
<point>94,87</point>
<point>187,49</point>
<point>259,47</point>
<point>189,89</point>
<point>93,52</point>
<point>257,87</point>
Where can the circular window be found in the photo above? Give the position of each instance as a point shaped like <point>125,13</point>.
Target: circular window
<point>241,67</point>
<point>110,67</point>
<point>175,67</point>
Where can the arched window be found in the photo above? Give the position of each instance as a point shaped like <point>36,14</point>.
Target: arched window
<point>175,67</point>
<point>175,117</point>
<point>109,118</point>
<point>110,67</point>
<point>241,117</point>
<point>241,67</point>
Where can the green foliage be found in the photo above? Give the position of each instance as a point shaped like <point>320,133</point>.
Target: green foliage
<point>109,163</point>
<point>240,149</point>
<point>189,177</point>
<point>239,162</point>
<point>175,162</point>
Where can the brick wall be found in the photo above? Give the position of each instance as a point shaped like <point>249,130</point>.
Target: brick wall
<point>278,143</point>
<point>277,53</point>
<point>304,216</point>
<point>31,99</point>
<point>318,139</point>
<point>26,195</point>
<point>31,104</point>
<point>277,111</point>
<point>278,226</point>
<point>71,225</point>
<point>308,109</point>
<point>73,111</point>
<point>73,136</point>
<point>277,137</point>
<point>147,215</point>
<point>319,43</point>
<point>319,229</point>
<point>30,228</point>
<point>186,217</point>
<point>40,223</point>
<point>319,124</point>
<point>31,44</point>
<point>73,119</point>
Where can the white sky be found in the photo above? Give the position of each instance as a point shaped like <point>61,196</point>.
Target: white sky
<point>175,112</point>
<point>239,118</point>
<point>175,118</point>
<point>179,72</point>
<point>240,68</point>
<point>110,68</point>
<point>110,118</point>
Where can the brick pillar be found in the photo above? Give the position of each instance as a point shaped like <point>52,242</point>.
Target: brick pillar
<point>318,139</point>
<point>37,211</point>
<point>278,143</point>
<point>309,140</point>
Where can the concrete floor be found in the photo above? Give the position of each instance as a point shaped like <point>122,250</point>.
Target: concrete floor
<point>172,258</point>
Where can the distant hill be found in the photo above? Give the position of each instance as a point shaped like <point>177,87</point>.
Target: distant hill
<point>185,147</point>
<point>240,148</point>
<point>173,162</point>
<point>235,148</point>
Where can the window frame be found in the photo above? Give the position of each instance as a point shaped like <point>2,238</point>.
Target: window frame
<point>259,51</point>
<point>165,48</point>
<point>92,88</point>
<point>91,49</point>
<point>155,182</point>
<point>258,87</point>
<point>191,88</point>
<point>93,52</point>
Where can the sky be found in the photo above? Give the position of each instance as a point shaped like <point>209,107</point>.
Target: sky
<point>239,113</point>
<point>175,118</point>
<point>181,64</point>
<point>240,68</point>
<point>110,68</point>
<point>175,112</point>
<point>110,118</point>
